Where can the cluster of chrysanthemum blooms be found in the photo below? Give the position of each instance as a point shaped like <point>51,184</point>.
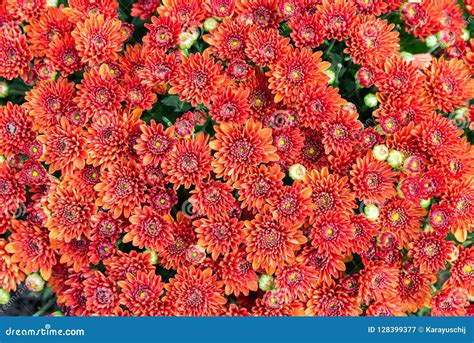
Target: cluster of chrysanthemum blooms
<point>367,222</point>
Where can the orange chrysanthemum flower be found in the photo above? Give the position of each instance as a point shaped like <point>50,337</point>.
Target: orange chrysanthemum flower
<point>26,10</point>
<point>98,92</point>
<point>317,104</point>
<point>74,253</point>
<point>195,292</point>
<point>371,40</point>
<point>377,281</point>
<point>219,235</point>
<point>102,294</point>
<point>228,39</point>
<point>163,34</point>
<point>98,39</point>
<point>198,78</point>
<point>402,218</point>
<point>159,68</point>
<point>15,129</point>
<point>140,292</point>
<point>189,12</point>
<point>262,13</point>
<point>331,300</point>
<point>10,274</point>
<point>119,266</point>
<point>328,265</point>
<point>462,270</point>
<point>64,56</point>
<point>30,248</point>
<point>414,289</point>
<point>237,274</point>
<point>15,54</point>
<point>372,180</point>
<point>154,143</point>
<point>340,131</point>
<point>264,47</point>
<point>307,31</point>
<point>212,197</point>
<point>70,214</point>
<point>364,231</point>
<point>189,162</point>
<point>269,244</point>
<point>295,281</point>
<point>259,185</point>
<point>337,18</point>
<point>332,233</point>
<point>48,101</point>
<point>51,25</point>
<point>65,147</point>
<point>450,302</point>
<point>241,147</point>
<point>291,204</point>
<point>12,190</point>
<point>121,188</point>
<point>430,252</point>
<point>79,10</point>
<point>149,229</point>
<point>290,76</point>
<point>230,106</point>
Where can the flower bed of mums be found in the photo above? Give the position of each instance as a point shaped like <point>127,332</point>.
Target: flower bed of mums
<point>237,157</point>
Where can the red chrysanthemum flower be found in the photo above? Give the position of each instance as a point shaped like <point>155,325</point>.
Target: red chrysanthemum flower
<point>163,34</point>
<point>212,197</point>
<point>101,250</point>
<point>440,217</point>
<point>10,274</point>
<point>318,103</point>
<point>102,295</point>
<point>15,55</point>
<point>65,147</point>
<point>327,264</point>
<point>399,77</point>
<point>331,300</point>
<point>430,252</point>
<point>121,188</point>
<point>228,39</point>
<point>15,129</point>
<point>273,305</point>
<point>26,10</point>
<point>261,13</point>
<point>238,148</point>
<point>70,213</point>
<point>219,235</point>
<point>119,266</point>
<point>295,281</point>
<point>377,281</point>
<point>269,244</point>
<point>198,78</point>
<point>64,56</point>
<point>73,253</point>
<point>414,289</point>
<point>51,25</point>
<point>337,18</point>
<point>374,7</point>
<point>220,8</point>
<point>195,292</point>
<point>230,106</point>
<point>450,302</point>
<point>401,218</point>
<point>30,248</point>
<point>98,92</point>
<point>144,8</point>
<point>189,12</point>
<point>340,131</point>
<point>291,204</point>
<point>289,143</point>
<point>80,10</point>
<point>331,233</point>
<point>189,162</point>
<point>312,155</point>
<point>148,229</point>
<point>237,274</point>
<point>48,101</point>
<point>371,40</point>
<point>140,292</point>
<point>154,143</point>
<point>259,185</point>
<point>159,68</point>
<point>138,95</point>
<point>330,193</point>
<point>98,39</point>
<point>12,191</point>
<point>290,76</point>
<point>372,180</point>
<point>307,31</point>
<point>265,47</point>
<point>462,270</point>
<point>364,231</point>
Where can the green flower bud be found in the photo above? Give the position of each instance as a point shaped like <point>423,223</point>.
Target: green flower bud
<point>370,100</point>
<point>186,40</point>
<point>4,297</point>
<point>371,212</point>
<point>52,3</point>
<point>465,35</point>
<point>34,282</point>
<point>431,41</point>
<point>210,24</point>
<point>153,256</point>
<point>265,282</point>
<point>4,89</point>
<point>380,152</point>
<point>395,158</point>
<point>297,171</point>
<point>425,203</point>
<point>331,75</point>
